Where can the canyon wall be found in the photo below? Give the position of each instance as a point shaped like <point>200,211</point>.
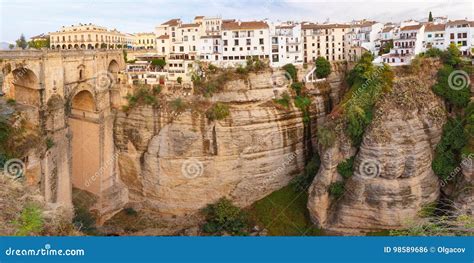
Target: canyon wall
<point>392,178</point>
<point>176,164</point>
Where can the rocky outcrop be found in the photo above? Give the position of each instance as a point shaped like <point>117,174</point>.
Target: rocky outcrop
<point>176,165</point>
<point>463,194</point>
<point>392,177</point>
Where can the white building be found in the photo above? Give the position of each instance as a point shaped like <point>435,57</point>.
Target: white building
<point>461,33</point>
<point>365,34</point>
<point>407,44</point>
<point>244,40</point>
<point>434,36</point>
<point>210,48</point>
<point>287,44</point>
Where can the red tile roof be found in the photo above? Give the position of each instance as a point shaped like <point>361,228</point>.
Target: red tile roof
<point>172,22</point>
<point>164,37</point>
<point>232,25</point>
<point>409,28</point>
<point>430,27</point>
<point>324,26</point>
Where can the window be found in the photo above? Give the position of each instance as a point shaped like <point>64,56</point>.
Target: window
<point>248,42</point>
<point>225,42</point>
<point>261,41</point>
<point>236,42</point>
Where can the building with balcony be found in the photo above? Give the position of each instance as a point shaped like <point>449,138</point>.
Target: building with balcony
<point>434,36</point>
<point>87,36</point>
<point>244,40</point>
<point>406,44</point>
<point>325,40</point>
<point>460,33</point>
<point>286,44</point>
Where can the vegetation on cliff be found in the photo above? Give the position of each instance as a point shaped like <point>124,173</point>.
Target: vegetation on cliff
<point>453,86</point>
<point>368,82</point>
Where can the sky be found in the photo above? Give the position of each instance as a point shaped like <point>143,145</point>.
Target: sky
<point>33,17</point>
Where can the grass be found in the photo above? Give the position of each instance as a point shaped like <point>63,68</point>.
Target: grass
<point>284,213</point>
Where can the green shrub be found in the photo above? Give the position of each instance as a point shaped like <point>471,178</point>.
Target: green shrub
<point>285,100</point>
<point>218,111</point>
<point>179,80</point>
<point>326,137</point>
<point>30,221</point>
<point>212,68</point>
<point>223,216</point>
<point>447,153</point>
<point>458,98</point>
<point>302,182</point>
<point>49,143</point>
<point>11,101</point>
<point>156,89</point>
<point>452,56</point>
<point>346,168</point>
<point>368,83</point>
<point>303,104</point>
<point>336,189</point>
<point>469,130</point>
<point>297,87</point>
<point>292,71</point>
<point>323,67</point>
<point>142,94</point>
<point>433,53</point>
<point>158,62</point>
<point>178,105</point>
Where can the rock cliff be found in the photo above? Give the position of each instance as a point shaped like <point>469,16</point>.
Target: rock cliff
<point>177,164</point>
<point>392,176</point>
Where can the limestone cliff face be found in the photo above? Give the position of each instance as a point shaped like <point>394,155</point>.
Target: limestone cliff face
<point>392,177</point>
<point>464,190</point>
<point>177,165</point>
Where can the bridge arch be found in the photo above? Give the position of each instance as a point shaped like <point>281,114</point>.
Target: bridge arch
<point>23,86</point>
<point>84,122</point>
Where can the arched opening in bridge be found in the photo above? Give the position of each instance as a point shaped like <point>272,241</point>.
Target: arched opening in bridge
<point>113,70</point>
<point>22,85</point>
<point>85,127</point>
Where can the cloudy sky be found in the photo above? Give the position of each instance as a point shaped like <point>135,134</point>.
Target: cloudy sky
<point>33,17</point>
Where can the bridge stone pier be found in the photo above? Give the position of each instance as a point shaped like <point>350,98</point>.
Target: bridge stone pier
<point>69,96</point>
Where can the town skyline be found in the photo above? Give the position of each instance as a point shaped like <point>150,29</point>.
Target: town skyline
<point>144,19</point>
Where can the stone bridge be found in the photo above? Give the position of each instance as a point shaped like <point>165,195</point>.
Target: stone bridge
<point>69,96</point>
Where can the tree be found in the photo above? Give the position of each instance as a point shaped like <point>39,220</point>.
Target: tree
<point>21,42</point>
<point>323,67</point>
<point>291,70</point>
<point>11,46</point>
<point>40,43</point>
<point>386,47</point>
<point>430,17</point>
<point>179,80</point>
<point>160,63</point>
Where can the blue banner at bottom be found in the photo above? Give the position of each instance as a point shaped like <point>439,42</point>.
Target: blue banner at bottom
<point>237,249</point>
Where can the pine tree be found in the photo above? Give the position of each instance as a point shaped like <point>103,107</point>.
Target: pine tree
<point>21,42</point>
<point>430,17</point>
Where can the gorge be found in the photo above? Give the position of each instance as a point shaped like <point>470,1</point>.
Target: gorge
<point>172,152</point>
